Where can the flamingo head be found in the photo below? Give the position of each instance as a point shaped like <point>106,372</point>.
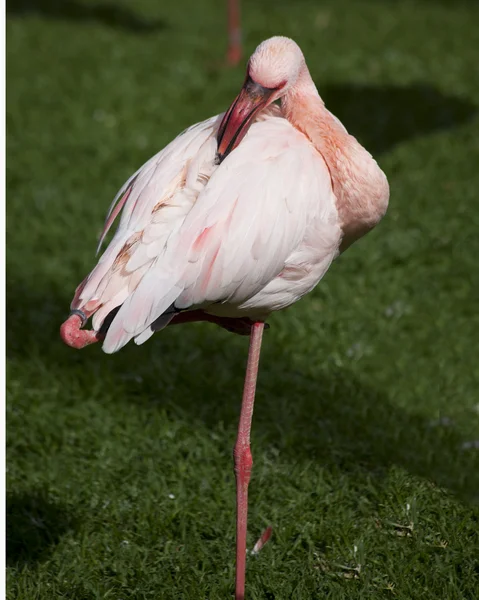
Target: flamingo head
<point>272,70</point>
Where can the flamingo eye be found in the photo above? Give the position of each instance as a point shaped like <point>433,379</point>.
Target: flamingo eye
<point>251,84</point>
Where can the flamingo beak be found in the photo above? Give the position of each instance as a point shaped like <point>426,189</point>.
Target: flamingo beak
<point>237,120</point>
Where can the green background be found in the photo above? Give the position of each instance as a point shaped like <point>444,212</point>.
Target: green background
<point>120,481</point>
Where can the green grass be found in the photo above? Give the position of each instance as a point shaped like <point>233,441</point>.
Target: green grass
<point>119,475</point>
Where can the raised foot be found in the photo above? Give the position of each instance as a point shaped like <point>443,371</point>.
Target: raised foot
<point>75,337</point>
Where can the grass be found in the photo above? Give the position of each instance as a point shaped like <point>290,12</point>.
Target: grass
<point>119,475</point>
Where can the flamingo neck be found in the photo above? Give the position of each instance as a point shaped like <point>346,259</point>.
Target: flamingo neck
<point>304,108</point>
<point>360,187</point>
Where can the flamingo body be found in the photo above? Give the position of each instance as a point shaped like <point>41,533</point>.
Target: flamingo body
<point>243,238</point>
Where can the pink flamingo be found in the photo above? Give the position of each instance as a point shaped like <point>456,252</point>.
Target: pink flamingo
<point>239,216</point>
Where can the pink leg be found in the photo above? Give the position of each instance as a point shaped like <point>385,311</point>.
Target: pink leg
<point>73,335</point>
<point>243,460</point>
<point>234,32</point>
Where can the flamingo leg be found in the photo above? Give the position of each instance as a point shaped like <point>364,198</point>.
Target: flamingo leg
<point>241,326</point>
<point>234,32</point>
<point>243,460</point>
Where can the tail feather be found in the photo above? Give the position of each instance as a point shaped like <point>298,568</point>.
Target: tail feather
<point>144,306</point>
<point>160,323</point>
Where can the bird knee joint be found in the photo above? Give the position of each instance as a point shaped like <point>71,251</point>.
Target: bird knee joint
<point>243,458</point>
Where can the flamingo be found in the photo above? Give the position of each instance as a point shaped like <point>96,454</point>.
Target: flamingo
<point>239,216</point>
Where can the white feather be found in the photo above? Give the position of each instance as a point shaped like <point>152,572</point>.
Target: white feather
<point>246,237</point>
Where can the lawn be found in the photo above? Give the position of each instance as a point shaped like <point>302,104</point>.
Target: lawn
<point>119,481</point>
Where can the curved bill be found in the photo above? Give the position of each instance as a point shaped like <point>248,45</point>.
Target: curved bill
<point>237,120</point>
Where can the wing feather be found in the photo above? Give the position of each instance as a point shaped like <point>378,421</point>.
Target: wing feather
<point>154,195</point>
<point>198,235</point>
<point>237,237</point>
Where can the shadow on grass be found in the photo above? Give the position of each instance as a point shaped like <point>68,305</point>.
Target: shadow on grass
<point>382,117</point>
<point>35,525</point>
<point>109,14</point>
